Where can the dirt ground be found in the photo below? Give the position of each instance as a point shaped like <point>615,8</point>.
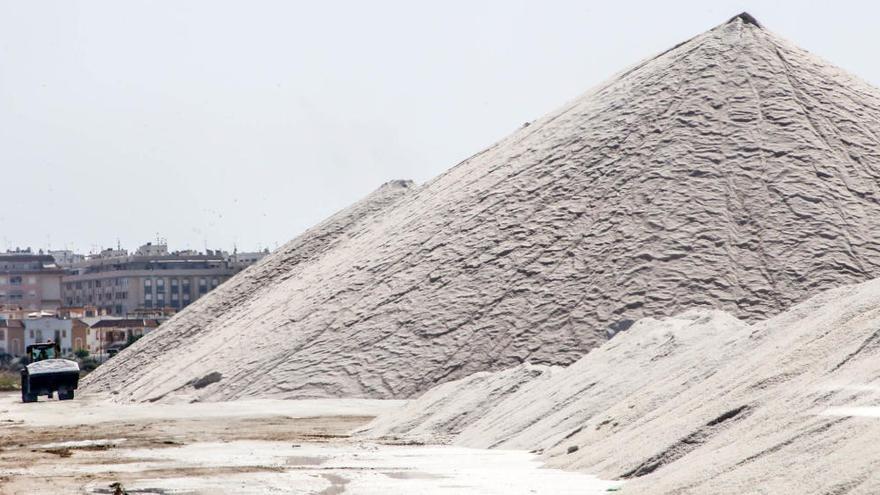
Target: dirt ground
<point>34,449</point>
<point>91,446</point>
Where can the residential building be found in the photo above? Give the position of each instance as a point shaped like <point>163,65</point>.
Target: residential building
<point>79,311</point>
<point>150,249</point>
<point>79,332</point>
<point>150,279</point>
<point>10,313</point>
<point>12,337</point>
<point>66,257</point>
<point>30,282</point>
<point>44,329</point>
<point>244,260</point>
<point>112,334</point>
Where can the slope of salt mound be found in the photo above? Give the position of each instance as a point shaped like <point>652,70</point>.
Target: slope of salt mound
<point>524,409</point>
<point>185,344</point>
<point>744,410</point>
<point>733,172</point>
<point>443,411</point>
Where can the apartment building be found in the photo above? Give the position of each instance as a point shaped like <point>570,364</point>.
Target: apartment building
<point>29,282</point>
<point>241,261</point>
<point>112,334</point>
<point>151,278</point>
<point>66,257</point>
<point>12,339</point>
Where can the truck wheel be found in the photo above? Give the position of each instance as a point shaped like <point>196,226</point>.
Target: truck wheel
<point>65,395</point>
<point>26,396</point>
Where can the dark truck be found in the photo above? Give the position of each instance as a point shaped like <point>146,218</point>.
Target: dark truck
<point>47,373</point>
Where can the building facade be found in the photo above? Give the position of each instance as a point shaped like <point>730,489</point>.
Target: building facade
<point>12,337</point>
<point>29,282</point>
<point>241,261</point>
<point>112,334</point>
<point>60,330</point>
<point>66,257</point>
<point>147,280</point>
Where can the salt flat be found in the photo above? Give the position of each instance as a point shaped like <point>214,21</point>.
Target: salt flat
<point>247,447</point>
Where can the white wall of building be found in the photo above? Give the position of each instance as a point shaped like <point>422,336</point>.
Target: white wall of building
<point>38,330</point>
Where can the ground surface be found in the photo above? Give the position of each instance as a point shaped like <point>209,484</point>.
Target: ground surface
<point>247,447</point>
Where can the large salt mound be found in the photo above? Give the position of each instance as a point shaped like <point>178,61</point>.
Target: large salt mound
<point>699,403</point>
<point>734,171</point>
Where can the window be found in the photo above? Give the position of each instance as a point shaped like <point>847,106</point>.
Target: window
<point>89,284</point>
<point>160,285</point>
<point>64,334</point>
<point>79,285</point>
<point>14,280</point>
<point>32,280</point>
<point>32,334</point>
<point>203,286</point>
<point>32,293</point>
<point>214,283</point>
<point>2,334</point>
<point>98,284</point>
<point>3,280</point>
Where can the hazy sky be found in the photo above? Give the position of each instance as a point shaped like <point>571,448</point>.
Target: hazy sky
<point>246,122</point>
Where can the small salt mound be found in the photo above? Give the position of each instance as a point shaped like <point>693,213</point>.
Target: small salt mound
<point>529,407</point>
<point>442,412</point>
<point>699,403</point>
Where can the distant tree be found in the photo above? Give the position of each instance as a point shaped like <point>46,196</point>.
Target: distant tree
<point>81,353</point>
<point>131,340</point>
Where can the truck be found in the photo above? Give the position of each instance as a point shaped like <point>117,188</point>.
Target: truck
<point>46,373</point>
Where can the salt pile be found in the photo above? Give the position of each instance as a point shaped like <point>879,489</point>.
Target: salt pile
<point>699,403</point>
<point>732,172</point>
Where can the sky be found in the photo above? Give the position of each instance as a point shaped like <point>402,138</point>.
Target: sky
<point>239,124</point>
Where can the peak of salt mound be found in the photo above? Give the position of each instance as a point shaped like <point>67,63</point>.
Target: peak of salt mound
<point>746,18</point>
<point>734,171</point>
